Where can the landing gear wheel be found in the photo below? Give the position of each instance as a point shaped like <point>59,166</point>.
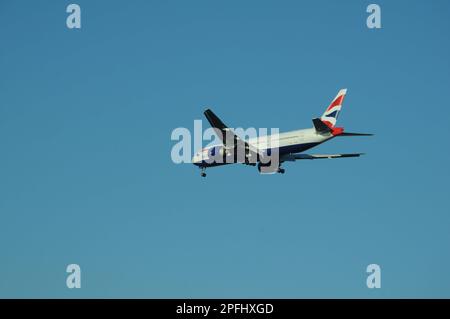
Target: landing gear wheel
<point>281,170</point>
<point>203,174</point>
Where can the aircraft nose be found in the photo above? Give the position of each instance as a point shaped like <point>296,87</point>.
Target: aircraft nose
<point>195,159</point>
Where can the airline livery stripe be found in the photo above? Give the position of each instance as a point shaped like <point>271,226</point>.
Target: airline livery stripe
<point>336,102</point>
<point>332,114</point>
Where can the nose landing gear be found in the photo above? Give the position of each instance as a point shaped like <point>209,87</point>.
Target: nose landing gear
<point>203,174</point>
<point>281,170</point>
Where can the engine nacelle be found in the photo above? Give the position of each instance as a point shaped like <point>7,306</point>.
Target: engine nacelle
<point>220,154</point>
<point>217,151</point>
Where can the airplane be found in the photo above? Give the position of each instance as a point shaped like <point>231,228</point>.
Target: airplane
<point>289,145</point>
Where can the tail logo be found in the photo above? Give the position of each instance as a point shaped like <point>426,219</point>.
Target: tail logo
<point>331,113</point>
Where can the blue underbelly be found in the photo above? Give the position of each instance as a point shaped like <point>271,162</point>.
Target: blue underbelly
<point>288,149</point>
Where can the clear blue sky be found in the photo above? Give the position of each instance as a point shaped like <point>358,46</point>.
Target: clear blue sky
<point>86,175</point>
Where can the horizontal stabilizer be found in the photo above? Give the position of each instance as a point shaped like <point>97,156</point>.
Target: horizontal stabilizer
<point>320,126</point>
<point>355,134</point>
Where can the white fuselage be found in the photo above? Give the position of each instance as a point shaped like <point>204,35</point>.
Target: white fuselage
<point>287,143</point>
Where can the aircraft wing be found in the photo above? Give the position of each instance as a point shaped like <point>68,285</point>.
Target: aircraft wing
<point>294,157</point>
<point>229,139</point>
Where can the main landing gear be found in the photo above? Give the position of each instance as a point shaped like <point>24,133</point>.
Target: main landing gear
<point>203,174</point>
<point>266,169</point>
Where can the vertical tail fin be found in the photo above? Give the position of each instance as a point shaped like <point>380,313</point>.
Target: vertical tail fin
<point>331,113</point>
